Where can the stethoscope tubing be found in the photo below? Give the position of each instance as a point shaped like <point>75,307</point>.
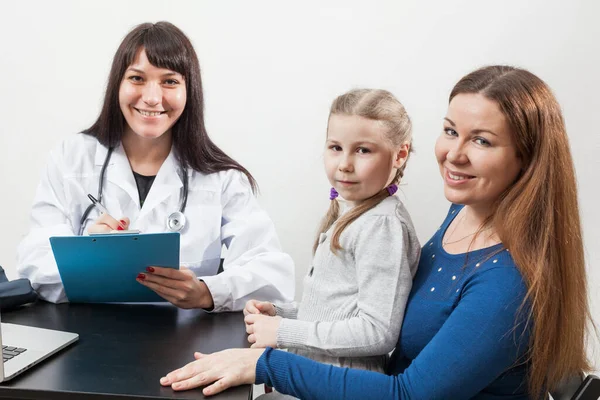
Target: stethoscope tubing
<point>183,205</point>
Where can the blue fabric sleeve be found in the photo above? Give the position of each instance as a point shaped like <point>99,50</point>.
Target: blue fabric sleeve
<point>476,344</point>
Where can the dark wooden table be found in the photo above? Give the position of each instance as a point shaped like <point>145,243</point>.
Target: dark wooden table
<point>123,350</point>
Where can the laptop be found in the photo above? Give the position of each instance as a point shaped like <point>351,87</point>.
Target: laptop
<point>25,346</point>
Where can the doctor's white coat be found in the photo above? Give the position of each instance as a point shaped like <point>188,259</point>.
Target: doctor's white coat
<point>221,209</point>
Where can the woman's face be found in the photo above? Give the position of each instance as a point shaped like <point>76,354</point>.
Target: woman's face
<point>476,152</point>
<point>151,99</point>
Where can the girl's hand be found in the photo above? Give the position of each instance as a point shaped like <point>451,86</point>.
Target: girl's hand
<point>180,287</point>
<point>262,330</point>
<point>226,368</point>
<point>259,307</point>
<point>105,223</point>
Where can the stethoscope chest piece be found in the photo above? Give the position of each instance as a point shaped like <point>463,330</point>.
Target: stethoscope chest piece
<point>176,221</point>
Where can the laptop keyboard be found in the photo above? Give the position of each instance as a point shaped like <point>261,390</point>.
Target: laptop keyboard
<point>10,352</point>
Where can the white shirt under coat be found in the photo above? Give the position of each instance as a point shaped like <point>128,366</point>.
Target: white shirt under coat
<point>221,209</point>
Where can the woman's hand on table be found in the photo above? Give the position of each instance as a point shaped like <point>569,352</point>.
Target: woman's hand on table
<point>219,371</point>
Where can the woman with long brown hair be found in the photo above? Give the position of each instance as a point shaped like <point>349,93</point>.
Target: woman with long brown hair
<point>499,305</point>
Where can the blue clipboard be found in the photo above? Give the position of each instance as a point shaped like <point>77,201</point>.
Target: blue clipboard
<point>103,268</point>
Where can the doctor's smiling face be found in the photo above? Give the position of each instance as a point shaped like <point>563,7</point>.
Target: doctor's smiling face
<point>151,99</point>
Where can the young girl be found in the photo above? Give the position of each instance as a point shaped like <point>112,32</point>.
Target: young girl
<point>150,161</point>
<point>365,255</point>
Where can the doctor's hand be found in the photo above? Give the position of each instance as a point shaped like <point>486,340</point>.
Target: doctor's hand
<point>223,370</point>
<point>262,330</point>
<point>105,223</point>
<point>180,287</point>
<point>259,307</point>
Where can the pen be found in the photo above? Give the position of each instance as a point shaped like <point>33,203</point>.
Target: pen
<point>103,209</point>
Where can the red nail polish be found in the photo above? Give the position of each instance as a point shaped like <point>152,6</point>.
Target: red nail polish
<point>141,277</point>
<point>150,269</point>
<point>122,221</point>
<point>120,228</point>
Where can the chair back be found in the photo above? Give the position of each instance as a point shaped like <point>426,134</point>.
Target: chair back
<point>589,389</point>
<point>567,388</point>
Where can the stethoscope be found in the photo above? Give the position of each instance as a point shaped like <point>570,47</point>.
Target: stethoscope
<point>176,221</point>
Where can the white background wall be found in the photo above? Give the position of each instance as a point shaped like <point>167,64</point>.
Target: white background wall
<point>271,69</point>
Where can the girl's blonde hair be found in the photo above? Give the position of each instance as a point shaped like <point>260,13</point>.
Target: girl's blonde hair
<point>537,218</point>
<point>378,105</point>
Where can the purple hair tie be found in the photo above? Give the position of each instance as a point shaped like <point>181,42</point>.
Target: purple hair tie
<point>393,188</point>
<point>333,194</point>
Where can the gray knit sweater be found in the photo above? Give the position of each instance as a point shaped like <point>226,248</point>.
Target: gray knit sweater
<point>353,303</point>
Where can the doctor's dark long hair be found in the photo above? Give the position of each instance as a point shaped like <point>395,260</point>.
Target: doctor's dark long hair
<point>166,47</point>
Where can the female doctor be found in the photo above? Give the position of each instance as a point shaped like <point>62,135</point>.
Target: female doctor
<point>148,159</point>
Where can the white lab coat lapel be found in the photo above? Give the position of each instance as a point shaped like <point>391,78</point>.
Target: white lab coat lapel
<point>118,171</point>
<point>167,183</point>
